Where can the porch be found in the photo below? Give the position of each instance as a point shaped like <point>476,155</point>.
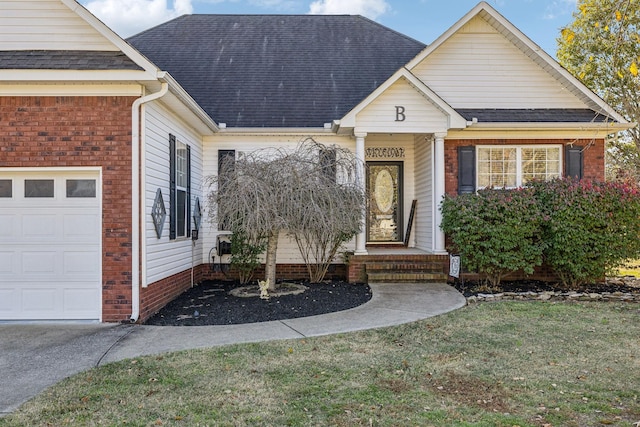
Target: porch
<point>397,264</point>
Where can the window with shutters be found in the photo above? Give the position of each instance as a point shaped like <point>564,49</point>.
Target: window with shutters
<point>180,189</point>
<point>514,166</point>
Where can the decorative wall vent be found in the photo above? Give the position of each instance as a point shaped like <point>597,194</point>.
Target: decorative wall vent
<point>158,213</point>
<point>197,214</point>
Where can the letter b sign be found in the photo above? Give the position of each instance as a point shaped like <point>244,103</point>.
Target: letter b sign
<point>400,116</point>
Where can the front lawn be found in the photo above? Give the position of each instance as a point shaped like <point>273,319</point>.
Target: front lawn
<point>502,364</point>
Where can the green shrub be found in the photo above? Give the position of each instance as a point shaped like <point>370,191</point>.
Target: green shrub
<point>496,232</point>
<point>592,227</point>
<point>244,255</point>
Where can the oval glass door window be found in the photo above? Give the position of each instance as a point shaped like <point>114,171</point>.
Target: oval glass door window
<point>384,191</point>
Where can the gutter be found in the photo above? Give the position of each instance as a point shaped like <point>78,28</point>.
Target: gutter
<point>135,197</point>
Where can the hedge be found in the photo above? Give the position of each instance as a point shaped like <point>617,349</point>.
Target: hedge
<point>581,229</point>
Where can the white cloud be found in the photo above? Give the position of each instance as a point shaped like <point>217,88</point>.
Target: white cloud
<point>370,8</point>
<point>128,17</point>
<point>560,9</point>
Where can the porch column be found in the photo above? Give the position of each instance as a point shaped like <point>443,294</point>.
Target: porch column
<point>361,237</point>
<point>438,191</point>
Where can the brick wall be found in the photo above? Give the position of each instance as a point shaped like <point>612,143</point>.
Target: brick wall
<point>593,156</point>
<point>82,131</point>
<point>283,271</point>
<point>160,293</point>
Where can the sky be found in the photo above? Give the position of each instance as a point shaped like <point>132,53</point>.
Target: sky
<point>423,20</point>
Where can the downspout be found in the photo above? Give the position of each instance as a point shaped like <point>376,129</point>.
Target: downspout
<point>135,197</point>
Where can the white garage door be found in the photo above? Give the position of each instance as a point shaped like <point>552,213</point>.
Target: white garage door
<point>50,228</point>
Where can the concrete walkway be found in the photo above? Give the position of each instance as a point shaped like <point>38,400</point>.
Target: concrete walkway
<point>36,356</point>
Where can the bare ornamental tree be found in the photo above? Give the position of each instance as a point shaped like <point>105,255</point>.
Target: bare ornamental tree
<point>312,193</point>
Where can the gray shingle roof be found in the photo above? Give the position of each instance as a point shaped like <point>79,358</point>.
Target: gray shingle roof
<point>276,70</point>
<point>539,115</point>
<point>65,60</point>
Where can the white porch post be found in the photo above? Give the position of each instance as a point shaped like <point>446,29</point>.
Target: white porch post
<point>361,237</point>
<point>438,192</point>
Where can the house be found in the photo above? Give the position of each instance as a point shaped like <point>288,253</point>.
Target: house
<point>106,144</point>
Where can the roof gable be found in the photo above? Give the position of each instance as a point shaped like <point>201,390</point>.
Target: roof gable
<point>403,104</point>
<point>277,70</point>
<point>484,61</point>
<point>62,35</point>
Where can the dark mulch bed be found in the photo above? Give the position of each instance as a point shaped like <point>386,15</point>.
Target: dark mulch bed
<point>215,306</point>
<point>470,288</point>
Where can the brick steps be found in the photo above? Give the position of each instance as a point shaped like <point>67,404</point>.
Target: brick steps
<point>406,269</point>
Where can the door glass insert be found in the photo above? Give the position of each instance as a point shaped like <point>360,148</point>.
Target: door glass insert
<point>6,189</point>
<point>38,188</point>
<point>384,222</point>
<point>81,188</point>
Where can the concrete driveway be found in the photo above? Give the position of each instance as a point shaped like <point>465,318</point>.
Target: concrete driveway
<point>36,356</point>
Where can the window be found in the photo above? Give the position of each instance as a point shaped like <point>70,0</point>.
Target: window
<point>513,166</point>
<point>38,188</point>
<point>180,189</point>
<point>6,189</point>
<point>85,188</point>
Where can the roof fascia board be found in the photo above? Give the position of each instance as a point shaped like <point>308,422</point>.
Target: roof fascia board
<point>455,119</point>
<point>86,89</point>
<point>110,35</point>
<point>77,75</point>
<point>579,126</point>
<point>536,52</point>
<point>560,135</point>
<point>276,131</point>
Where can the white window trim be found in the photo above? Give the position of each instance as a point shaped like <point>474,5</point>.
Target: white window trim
<point>518,160</point>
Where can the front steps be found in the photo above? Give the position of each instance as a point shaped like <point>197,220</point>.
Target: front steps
<point>402,268</point>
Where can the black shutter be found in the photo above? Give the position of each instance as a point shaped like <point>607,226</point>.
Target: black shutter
<point>188,201</point>
<point>172,187</point>
<point>574,165</point>
<point>466,170</point>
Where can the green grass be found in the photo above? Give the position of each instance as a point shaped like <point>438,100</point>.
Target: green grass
<point>501,364</point>
<point>630,268</point>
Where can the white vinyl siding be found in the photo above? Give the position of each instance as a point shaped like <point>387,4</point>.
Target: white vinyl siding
<point>46,25</point>
<point>480,68</point>
<point>402,108</point>
<point>164,257</point>
<point>423,177</point>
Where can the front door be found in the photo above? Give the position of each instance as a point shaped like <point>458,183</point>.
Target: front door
<point>384,184</point>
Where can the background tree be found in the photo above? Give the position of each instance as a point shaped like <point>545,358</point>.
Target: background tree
<point>601,47</point>
<point>311,192</point>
